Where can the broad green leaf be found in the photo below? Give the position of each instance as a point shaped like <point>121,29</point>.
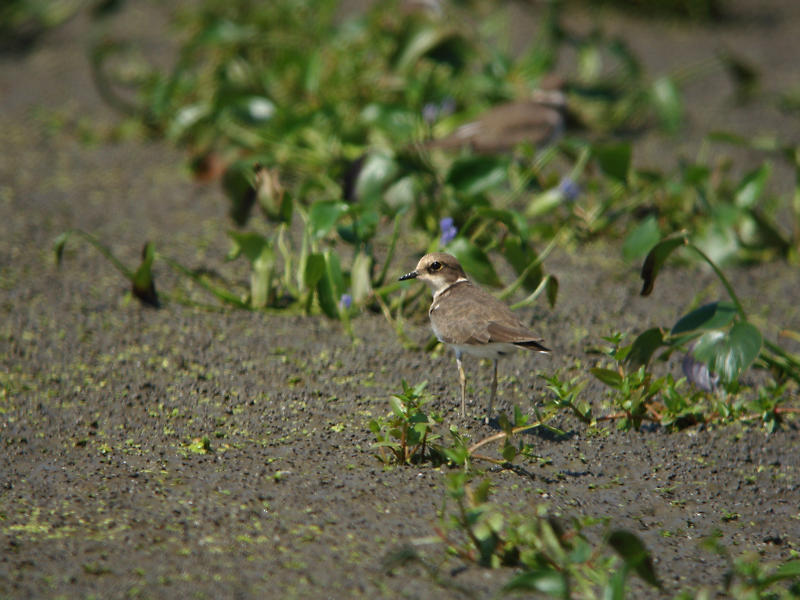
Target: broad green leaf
<point>644,347</point>
<point>657,257</point>
<point>315,268</point>
<point>729,353</point>
<point>473,175</point>
<point>551,582</point>
<point>787,570</point>
<point>328,299</point>
<point>360,282</point>
<point>334,267</point>
<point>474,261</point>
<point>633,552</point>
<point>401,194</point>
<point>426,40</point>
<point>261,277</point>
<point>251,245</point>
<point>752,186</point>
<point>377,172</point>
<point>667,103</point>
<point>324,214</point>
<point>696,175</point>
<point>509,452</point>
<point>614,159</point>
<point>258,251</point>
<point>715,315</point>
<point>643,237</point>
<point>607,376</point>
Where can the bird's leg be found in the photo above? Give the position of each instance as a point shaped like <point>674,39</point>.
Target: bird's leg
<point>493,393</point>
<point>462,378</point>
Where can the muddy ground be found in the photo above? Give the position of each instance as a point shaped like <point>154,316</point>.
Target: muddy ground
<point>100,493</point>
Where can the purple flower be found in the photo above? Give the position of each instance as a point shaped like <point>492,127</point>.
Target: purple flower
<point>430,112</point>
<point>345,301</point>
<point>449,230</point>
<point>697,373</point>
<point>433,111</point>
<point>569,188</point>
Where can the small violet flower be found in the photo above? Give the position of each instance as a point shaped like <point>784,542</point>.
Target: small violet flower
<point>697,373</point>
<point>449,230</point>
<point>433,111</point>
<point>569,188</point>
<point>345,301</point>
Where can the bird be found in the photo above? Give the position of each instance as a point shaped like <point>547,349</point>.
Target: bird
<point>538,120</point>
<point>469,319</point>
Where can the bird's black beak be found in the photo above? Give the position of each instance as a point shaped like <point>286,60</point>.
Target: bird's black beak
<point>412,275</point>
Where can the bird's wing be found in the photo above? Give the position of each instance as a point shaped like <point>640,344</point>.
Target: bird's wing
<point>478,318</point>
<point>519,336</point>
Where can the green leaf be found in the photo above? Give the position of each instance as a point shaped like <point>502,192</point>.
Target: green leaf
<point>607,376</point>
<point>251,245</point>
<point>328,301</point>
<point>667,103</point>
<point>377,172</point>
<point>396,121</point>
<point>253,110</point>
<point>643,237</point>
<point>261,275</point>
<point>657,257</point>
<point>552,290</point>
<point>425,41</point>
<point>728,354</point>
<point>787,570</point>
<point>335,272</point>
<point>237,182</point>
<point>634,554</point>
<point>360,282</point>
<point>142,283</point>
<point>614,159</point>
<point>715,315</point>
<point>324,214</point>
<point>474,261</point>
<point>58,246</point>
<point>644,347</point>
<point>315,268</point>
<point>331,286</point>
<point>473,175</point>
<point>752,186</point>
<point>551,582</point>
<point>615,588</point>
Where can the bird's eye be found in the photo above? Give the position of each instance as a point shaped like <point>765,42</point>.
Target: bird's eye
<point>436,266</point>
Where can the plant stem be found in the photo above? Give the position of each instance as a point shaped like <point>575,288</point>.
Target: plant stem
<point>722,278</point>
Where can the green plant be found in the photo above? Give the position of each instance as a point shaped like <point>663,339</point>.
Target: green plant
<point>554,559</point>
<point>749,578</point>
<point>725,340</point>
<point>720,344</point>
<point>407,433</point>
